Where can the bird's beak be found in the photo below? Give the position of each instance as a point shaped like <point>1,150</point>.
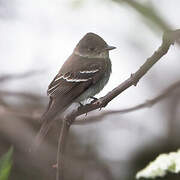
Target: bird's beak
<point>110,48</point>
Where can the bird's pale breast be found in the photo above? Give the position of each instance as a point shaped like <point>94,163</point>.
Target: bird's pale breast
<point>96,88</point>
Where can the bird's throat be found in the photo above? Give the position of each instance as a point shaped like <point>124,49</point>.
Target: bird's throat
<point>102,55</point>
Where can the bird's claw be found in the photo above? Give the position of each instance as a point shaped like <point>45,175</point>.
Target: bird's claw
<point>94,99</point>
<point>80,104</point>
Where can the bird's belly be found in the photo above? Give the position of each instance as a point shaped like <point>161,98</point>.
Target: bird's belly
<point>94,89</point>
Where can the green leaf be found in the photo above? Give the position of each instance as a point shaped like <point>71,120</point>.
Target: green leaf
<point>6,164</point>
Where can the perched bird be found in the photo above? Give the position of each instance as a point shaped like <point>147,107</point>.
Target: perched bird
<point>84,74</point>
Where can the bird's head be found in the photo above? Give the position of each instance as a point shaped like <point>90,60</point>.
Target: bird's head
<point>93,46</point>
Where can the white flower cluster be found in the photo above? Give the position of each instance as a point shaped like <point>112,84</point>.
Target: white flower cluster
<point>161,165</point>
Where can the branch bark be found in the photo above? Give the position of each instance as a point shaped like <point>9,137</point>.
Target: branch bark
<point>169,39</point>
<point>36,113</point>
<point>60,152</point>
<point>148,103</point>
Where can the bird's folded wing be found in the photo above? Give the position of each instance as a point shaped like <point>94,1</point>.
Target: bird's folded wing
<point>70,85</point>
<point>65,88</point>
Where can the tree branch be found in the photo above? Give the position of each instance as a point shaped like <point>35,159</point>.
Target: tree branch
<point>168,39</point>
<point>60,152</point>
<point>148,103</point>
<point>30,96</point>
<point>8,77</point>
<point>36,113</point>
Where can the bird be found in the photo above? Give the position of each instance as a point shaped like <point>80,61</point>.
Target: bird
<point>82,76</point>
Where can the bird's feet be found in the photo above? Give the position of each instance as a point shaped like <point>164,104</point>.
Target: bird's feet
<point>80,104</point>
<point>94,99</point>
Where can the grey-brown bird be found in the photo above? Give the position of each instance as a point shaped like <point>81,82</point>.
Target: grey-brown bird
<point>84,74</point>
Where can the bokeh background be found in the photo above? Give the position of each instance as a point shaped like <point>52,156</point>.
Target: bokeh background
<point>37,36</point>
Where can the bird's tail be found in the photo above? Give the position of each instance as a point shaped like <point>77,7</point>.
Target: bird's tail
<point>48,119</point>
<point>42,133</point>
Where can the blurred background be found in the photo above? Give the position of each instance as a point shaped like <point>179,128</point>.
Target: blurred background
<point>37,36</point>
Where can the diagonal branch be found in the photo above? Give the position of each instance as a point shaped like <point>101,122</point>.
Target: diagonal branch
<point>36,113</point>
<point>60,152</point>
<point>169,39</point>
<point>148,103</point>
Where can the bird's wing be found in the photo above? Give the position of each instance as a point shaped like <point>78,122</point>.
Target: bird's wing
<point>65,88</point>
<point>70,85</point>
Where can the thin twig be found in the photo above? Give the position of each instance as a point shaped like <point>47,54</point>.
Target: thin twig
<point>8,77</point>
<point>148,103</point>
<point>36,113</point>
<point>60,152</point>
<point>30,96</point>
